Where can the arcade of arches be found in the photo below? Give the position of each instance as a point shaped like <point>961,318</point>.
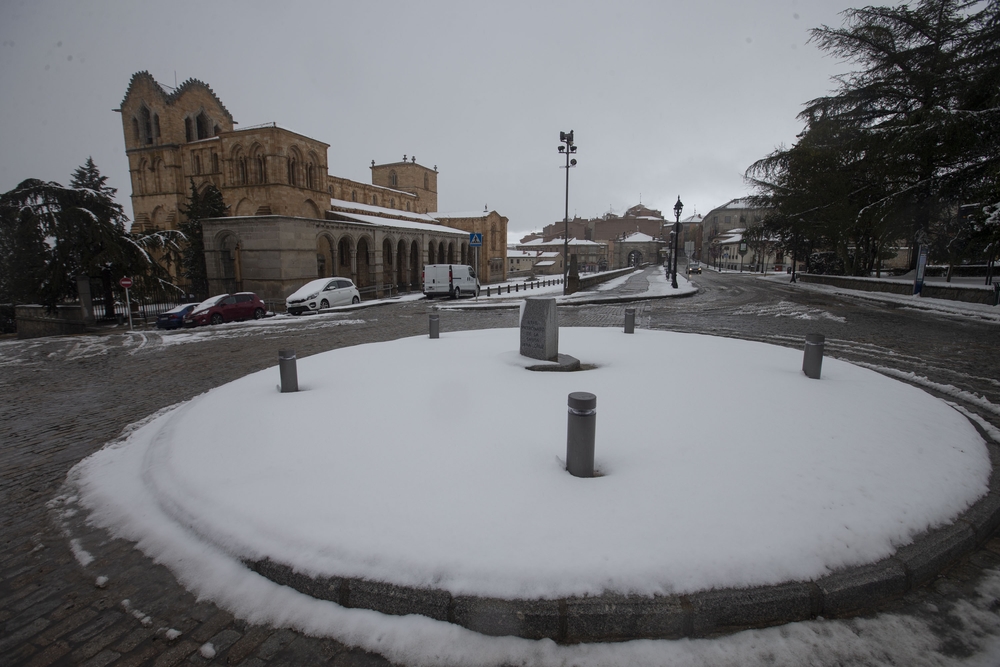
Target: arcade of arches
<point>248,254</point>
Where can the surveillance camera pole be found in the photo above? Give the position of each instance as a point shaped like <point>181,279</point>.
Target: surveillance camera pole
<point>568,148</point>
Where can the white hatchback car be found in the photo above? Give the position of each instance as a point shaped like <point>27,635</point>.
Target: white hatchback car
<point>322,293</point>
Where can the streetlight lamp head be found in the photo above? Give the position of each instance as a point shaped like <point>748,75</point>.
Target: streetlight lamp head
<point>572,149</point>
<point>572,163</point>
<point>561,148</point>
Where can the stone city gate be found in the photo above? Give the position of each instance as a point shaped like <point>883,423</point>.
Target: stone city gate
<point>275,255</point>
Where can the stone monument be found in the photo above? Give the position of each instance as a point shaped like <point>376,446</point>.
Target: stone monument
<point>540,329</point>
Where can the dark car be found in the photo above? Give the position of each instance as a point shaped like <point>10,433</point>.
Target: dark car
<point>226,308</point>
<point>694,267</point>
<point>174,318</point>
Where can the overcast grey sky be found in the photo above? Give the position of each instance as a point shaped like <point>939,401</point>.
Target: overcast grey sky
<point>665,98</point>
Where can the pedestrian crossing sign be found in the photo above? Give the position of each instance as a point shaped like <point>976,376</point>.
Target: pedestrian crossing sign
<point>475,239</point>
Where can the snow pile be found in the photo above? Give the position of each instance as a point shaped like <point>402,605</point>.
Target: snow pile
<point>455,481</point>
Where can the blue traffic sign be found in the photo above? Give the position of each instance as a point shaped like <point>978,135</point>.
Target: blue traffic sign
<point>475,239</point>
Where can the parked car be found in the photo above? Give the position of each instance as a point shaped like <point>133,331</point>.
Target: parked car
<point>174,318</point>
<point>451,279</point>
<point>694,267</point>
<point>226,308</point>
<point>322,293</point>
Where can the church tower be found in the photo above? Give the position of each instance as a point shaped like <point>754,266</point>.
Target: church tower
<point>408,176</point>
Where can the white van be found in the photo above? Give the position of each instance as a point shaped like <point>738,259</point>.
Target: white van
<point>451,279</point>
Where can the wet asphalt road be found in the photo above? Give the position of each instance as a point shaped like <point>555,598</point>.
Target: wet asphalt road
<point>64,397</point>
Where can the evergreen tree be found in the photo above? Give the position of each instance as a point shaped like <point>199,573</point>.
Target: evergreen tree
<point>83,233</point>
<point>906,139</point>
<point>201,205</point>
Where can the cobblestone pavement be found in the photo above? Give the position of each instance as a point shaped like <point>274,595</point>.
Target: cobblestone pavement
<point>64,397</point>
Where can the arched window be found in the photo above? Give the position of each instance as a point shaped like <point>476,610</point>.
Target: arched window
<point>147,125</point>
<point>407,206</point>
<point>203,125</point>
<point>156,126</point>
<point>241,170</point>
<point>196,161</point>
<point>374,200</point>
<point>393,181</point>
<point>310,176</point>
<point>261,171</point>
<point>215,131</point>
<point>293,167</point>
<point>354,195</point>
<point>188,131</point>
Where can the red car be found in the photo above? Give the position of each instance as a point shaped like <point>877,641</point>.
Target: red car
<point>226,308</point>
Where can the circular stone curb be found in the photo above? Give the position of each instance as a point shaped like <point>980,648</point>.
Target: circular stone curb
<point>620,617</point>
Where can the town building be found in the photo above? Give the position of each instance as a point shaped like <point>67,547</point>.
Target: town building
<point>288,219</point>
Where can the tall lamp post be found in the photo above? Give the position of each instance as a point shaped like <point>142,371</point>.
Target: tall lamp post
<point>678,207</point>
<point>569,149</point>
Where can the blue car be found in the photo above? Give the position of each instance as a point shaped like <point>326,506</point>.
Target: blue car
<point>174,318</point>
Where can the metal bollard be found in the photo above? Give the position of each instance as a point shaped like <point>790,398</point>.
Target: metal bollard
<point>288,371</point>
<point>435,322</point>
<point>630,320</point>
<point>580,429</point>
<point>812,358</point>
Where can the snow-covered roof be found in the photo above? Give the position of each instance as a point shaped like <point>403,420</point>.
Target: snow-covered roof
<point>405,224</point>
<point>520,254</point>
<point>369,208</point>
<point>545,263</point>
<point>559,243</point>
<point>442,215</point>
<point>549,254</point>
<point>638,237</point>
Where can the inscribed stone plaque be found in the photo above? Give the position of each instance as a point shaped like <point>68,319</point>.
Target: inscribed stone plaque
<point>540,329</point>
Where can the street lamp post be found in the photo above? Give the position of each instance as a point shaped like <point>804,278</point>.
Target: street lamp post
<point>678,207</point>
<point>568,148</point>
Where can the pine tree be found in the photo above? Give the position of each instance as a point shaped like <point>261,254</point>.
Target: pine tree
<point>83,233</point>
<point>201,205</point>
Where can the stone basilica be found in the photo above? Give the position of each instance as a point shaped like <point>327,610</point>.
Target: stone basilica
<point>289,220</point>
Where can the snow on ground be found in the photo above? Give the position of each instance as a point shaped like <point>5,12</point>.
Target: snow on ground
<point>945,307</point>
<point>860,464</point>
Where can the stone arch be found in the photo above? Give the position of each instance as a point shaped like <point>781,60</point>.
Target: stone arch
<point>345,248</point>
<point>229,264</point>
<point>258,163</point>
<point>387,257</point>
<point>310,209</point>
<point>634,258</point>
<point>141,185</point>
<point>245,207</point>
<point>465,253</point>
<point>442,253</point>
<point>414,264</point>
<point>159,174</point>
<point>239,165</point>
<point>157,219</point>
<point>203,125</point>
<point>325,256</point>
<point>431,253</point>
<point>363,263</point>
<point>294,165</point>
<point>401,265</point>
<point>312,171</point>
<point>452,254</point>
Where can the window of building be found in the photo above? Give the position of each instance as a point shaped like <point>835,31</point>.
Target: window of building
<point>310,176</point>
<point>156,126</point>
<point>393,181</point>
<point>203,125</point>
<point>147,125</point>
<point>135,131</point>
<point>374,200</point>
<point>407,206</point>
<point>215,163</point>
<point>261,169</point>
<point>196,163</point>
<point>293,166</point>
<point>392,202</point>
<point>241,170</point>
<point>354,196</point>
<point>188,131</point>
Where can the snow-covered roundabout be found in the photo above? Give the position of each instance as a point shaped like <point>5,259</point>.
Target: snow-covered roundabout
<point>427,477</point>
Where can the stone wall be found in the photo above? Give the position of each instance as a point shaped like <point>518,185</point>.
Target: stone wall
<point>36,321</point>
<point>931,290</point>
